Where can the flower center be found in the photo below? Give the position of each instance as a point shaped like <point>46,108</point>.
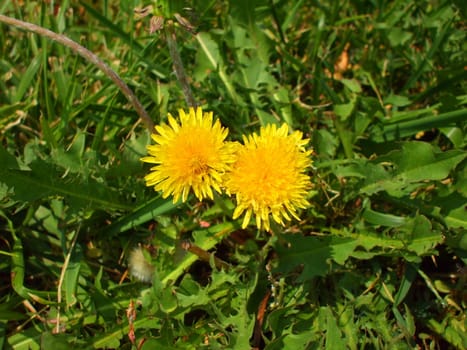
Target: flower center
<point>198,165</point>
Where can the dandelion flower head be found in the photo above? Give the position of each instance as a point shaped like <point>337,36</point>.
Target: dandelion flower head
<point>268,178</point>
<point>190,155</point>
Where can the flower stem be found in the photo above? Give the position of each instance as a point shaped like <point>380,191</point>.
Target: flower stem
<point>89,56</point>
<point>178,64</point>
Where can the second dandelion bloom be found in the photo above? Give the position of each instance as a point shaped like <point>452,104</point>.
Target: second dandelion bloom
<point>268,178</point>
<point>190,155</point>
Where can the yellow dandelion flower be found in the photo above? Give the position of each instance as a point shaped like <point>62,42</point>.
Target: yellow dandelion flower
<point>268,177</point>
<point>190,155</point>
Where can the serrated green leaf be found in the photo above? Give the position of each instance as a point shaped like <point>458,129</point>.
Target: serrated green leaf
<point>43,180</point>
<point>419,235</point>
<point>72,159</point>
<point>397,100</point>
<point>418,161</point>
<point>457,218</point>
<point>344,111</point>
<point>450,329</point>
<point>295,341</point>
<point>208,58</point>
<point>313,253</point>
<point>398,36</point>
<point>352,84</point>
<point>334,338</point>
<point>55,341</point>
<point>414,163</point>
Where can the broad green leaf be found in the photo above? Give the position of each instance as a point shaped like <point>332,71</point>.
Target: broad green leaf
<point>313,254</point>
<point>334,338</point>
<point>457,218</point>
<point>282,103</point>
<point>420,236</point>
<point>418,161</point>
<point>324,143</point>
<point>251,43</point>
<point>191,295</point>
<point>454,134</point>
<point>72,158</point>
<point>414,163</point>
<point>43,180</point>
<point>397,100</point>
<point>130,163</point>
<point>344,111</point>
<point>398,36</point>
<point>242,328</point>
<point>416,238</point>
<point>452,208</point>
<point>255,73</point>
<point>208,58</point>
<point>352,84</point>
<point>168,301</point>
<point>295,341</point>
<point>56,341</point>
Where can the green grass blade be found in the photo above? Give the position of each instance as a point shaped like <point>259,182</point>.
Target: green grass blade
<point>144,213</point>
<point>392,132</point>
<point>27,79</point>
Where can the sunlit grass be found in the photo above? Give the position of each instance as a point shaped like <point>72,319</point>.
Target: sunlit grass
<point>374,260</point>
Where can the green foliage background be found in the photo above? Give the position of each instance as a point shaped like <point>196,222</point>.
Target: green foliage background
<point>377,262</point>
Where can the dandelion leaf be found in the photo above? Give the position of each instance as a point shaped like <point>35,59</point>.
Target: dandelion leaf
<point>40,179</point>
<point>410,166</point>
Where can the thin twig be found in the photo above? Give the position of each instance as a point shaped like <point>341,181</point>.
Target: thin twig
<point>89,56</point>
<point>204,255</point>
<point>178,65</point>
